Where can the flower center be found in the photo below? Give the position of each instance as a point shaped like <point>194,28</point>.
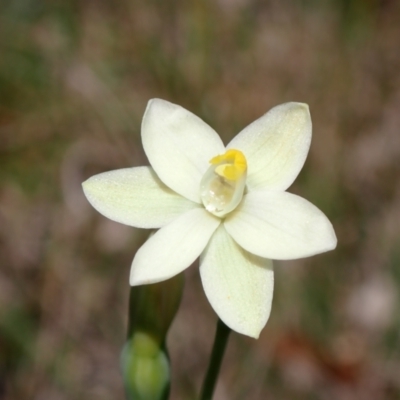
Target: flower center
<point>222,186</point>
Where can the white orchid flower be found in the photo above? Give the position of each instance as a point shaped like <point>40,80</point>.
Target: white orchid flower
<point>227,205</point>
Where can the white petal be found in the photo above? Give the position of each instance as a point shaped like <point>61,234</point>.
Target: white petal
<point>173,248</point>
<point>280,226</point>
<point>136,197</point>
<point>275,146</point>
<point>179,146</point>
<point>239,285</point>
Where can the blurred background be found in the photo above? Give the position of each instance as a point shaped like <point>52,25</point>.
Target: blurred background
<point>75,78</point>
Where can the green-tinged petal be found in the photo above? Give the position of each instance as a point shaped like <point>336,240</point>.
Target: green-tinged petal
<point>136,197</point>
<point>276,146</point>
<point>239,285</point>
<point>173,248</point>
<point>280,226</point>
<point>179,146</point>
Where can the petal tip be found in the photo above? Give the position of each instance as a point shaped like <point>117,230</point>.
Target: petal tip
<point>302,105</point>
<point>154,103</point>
<point>254,335</point>
<point>334,240</point>
<point>299,107</point>
<point>253,332</point>
<point>85,184</point>
<point>151,105</point>
<point>243,329</point>
<point>330,235</point>
<point>87,187</point>
<point>133,281</point>
<point>137,280</point>
<point>330,241</point>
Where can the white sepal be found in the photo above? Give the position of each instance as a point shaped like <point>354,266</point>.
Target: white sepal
<point>173,248</point>
<point>239,285</point>
<point>179,146</point>
<point>280,226</point>
<point>136,197</point>
<point>275,146</point>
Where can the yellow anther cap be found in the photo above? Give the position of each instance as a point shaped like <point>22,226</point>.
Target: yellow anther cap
<point>223,184</point>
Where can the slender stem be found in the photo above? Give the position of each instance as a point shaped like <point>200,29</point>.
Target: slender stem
<point>220,341</point>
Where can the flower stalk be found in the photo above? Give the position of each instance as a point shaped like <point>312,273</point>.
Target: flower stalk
<point>220,342</point>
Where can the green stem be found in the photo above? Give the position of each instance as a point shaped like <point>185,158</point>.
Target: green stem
<point>220,341</point>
